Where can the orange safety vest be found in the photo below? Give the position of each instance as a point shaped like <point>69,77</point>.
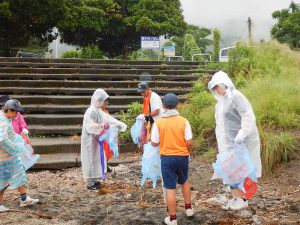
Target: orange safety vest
<point>172,136</point>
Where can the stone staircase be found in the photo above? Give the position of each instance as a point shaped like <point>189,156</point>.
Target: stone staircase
<point>56,92</point>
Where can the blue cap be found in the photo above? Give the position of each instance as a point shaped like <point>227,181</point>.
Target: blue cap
<point>170,99</point>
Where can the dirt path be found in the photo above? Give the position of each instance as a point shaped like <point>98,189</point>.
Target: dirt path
<point>65,200</point>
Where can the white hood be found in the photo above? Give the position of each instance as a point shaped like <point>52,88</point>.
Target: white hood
<point>221,78</point>
<point>98,98</point>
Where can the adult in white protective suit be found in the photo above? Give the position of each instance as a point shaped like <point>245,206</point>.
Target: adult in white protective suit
<point>94,122</point>
<point>235,123</point>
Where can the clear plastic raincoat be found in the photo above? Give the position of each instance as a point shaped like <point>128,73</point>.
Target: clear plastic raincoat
<point>12,146</point>
<point>93,123</point>
<point>235,120</point>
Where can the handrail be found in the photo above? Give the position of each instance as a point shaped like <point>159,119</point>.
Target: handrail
<point>173,57</point>
<point>202,54</point>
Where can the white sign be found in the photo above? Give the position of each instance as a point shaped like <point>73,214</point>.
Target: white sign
<point>150,42</point>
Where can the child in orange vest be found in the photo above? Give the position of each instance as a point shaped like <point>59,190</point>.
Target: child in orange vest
<point>173,134</point>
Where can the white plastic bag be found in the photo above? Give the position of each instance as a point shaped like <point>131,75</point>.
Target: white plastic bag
<point>234,166</point>
<point>136,130</point>
<point>111,137</point>
<point>28,157</point>
<point>151,165</point>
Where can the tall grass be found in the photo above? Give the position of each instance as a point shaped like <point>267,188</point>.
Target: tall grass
<point>268,74</point>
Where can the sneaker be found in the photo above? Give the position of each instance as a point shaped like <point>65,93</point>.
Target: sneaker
<point>169,222</point>
<point>3,209</point>
<point>238,204</point>
<point>28,201</point>
<point>227,205</point>
<point>95,186</point>
<point>109,170</point>
<point>189,212</point>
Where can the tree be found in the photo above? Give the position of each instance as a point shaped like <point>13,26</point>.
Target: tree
<point>190,47</point>
<point>200,34</point>
<point>118,25</point>
<point>287,29</point>
<point>216,44</point>
<point>22,20</point>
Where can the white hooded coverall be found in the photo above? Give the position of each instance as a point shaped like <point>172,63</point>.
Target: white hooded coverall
<point>235,120</point>
<point>93,122</point>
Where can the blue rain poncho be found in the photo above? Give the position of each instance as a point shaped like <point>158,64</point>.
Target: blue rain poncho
<point>12,146</point>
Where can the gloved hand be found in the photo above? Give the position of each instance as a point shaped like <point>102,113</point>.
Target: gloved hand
<point>106,126</point>
<point>25,131</point>
<point>238,140</point>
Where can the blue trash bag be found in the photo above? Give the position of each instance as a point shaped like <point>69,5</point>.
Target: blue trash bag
<point>113,141</point>
<point>136,129</point>
<point>28,157</point>
<point>151,166</point>
<point>111,137</point>
<point>234,166</point>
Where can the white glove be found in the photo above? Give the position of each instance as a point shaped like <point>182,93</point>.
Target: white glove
<point>238,140</point>
<point>25,131</point>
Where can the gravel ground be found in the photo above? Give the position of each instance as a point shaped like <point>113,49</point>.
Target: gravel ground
<point>66,201</point>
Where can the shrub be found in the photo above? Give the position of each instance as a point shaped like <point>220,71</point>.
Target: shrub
<point>91,52</point>
<point>71,54</point>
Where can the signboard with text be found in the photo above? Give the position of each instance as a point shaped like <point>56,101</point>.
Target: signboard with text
<point>150,42</point>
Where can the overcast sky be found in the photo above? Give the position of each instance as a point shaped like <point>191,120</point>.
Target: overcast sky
<point>230,16</point>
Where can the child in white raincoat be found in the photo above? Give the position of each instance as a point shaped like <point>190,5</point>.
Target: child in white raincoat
<point>235,124</point>
<point>94,122</point>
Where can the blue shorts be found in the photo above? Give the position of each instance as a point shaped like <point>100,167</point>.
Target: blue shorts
<point>174,170</point>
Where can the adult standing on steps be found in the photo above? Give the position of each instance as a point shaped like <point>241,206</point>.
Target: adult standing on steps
<point>152,105</point>
<point>93,125</point>
<point>12,146</point>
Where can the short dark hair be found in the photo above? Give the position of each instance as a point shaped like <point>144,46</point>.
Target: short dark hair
<point>6,110</point>
<point>170,106</point>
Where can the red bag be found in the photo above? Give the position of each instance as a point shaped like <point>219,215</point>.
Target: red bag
<point>250,188</point>
<point>108,153</point>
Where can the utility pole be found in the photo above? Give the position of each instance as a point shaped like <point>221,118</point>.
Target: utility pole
<point>249,29</point>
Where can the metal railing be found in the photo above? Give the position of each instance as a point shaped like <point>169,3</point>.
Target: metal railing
<point>169,57</point>
<point>202,54</point>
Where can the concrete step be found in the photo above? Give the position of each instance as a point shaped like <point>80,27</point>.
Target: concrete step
<point>99,77</point>
<point>68,109</point>
<point>91,84</point>
<point>75,100</point>
<point>54,119</point>
<point>56,145</point>
<point>66,160</point>
<point>100,61</point>
<point>54,130</point>
<point>96,66</point>
<point>100,71</point>
<point>84,91</point>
